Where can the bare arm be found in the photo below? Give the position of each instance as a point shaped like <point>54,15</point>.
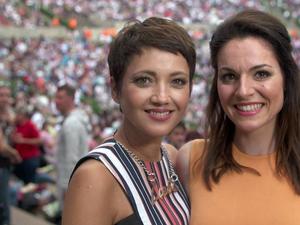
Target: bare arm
<point>31,141</point>
<point>93,197</point>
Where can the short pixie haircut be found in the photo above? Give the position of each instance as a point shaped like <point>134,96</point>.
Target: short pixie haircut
<point>154,32</point>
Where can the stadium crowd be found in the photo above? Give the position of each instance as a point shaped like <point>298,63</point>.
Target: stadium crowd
<point>37,66</point>
<point>20,13</point>
<point>42,64</point>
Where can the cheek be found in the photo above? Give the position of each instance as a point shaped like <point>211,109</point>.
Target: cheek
<point>224,92</point>
<point>133,97</point>
<point>275,93</point>
<point>276,99</point>
<point>182,98</point>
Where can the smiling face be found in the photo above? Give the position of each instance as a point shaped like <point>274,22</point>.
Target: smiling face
<point>154,93</point>
<point>250,84</point>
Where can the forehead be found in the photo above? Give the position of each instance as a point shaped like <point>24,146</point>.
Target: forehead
<point>248,43</point>
<point>157,59</point>
<point>248,51</point>
<point>61,93</point>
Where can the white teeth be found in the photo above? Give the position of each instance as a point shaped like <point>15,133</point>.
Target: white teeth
<point>249,108</point>
<point>159,114</point>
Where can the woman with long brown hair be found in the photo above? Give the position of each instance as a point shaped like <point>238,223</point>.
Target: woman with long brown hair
<point>248,169</point>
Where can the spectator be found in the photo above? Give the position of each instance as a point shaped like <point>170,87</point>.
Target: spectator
<point>8,155</point>
<point>177,136</point>
<point>26,139</point>
<point>48,144</point>
<point>192,135</point>
<point>73,137</point>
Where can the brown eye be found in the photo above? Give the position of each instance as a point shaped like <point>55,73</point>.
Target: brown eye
<point>261,75</point>
<point>228,78</point>
<point>179,82</point>
<point>142,81</point>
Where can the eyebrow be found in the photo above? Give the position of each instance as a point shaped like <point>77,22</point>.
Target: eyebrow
<point>153,73</point>
<point>260,66</point>
<point>252,68</point>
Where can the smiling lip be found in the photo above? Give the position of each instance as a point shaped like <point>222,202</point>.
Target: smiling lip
<point>248,109</point>
<point>159,114</point>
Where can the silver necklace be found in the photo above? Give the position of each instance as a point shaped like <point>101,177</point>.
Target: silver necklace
<point>157,192</point>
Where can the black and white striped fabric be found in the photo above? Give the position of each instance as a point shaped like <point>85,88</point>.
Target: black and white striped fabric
<point>172,209</point>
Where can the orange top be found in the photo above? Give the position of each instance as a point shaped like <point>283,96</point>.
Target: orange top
<point>245,198</point>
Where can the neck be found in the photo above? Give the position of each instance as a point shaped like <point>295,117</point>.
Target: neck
<point>145,148</point>
<point>255,143</point>
<point>67,112</point>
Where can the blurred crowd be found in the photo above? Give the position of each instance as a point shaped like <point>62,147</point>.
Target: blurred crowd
<point>20,13</point>
<point>35,67</point>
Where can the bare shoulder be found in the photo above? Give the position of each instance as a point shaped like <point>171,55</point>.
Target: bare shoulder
<point>182,163</point>
<point>193,147</point>
<point>91,174</point>
<point>185,151</point>
<point>172,151</point>
<point>90,196</point>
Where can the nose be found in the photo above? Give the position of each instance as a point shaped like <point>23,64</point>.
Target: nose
<point>245,87</point>
<point>160,95</point>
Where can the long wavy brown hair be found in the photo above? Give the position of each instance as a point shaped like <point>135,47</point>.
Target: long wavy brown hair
<point>218,158</point>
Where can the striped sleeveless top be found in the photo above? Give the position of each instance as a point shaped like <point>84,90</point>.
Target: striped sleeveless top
<point>172,209</point>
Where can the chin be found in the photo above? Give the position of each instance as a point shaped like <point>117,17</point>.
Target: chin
<point>158,133</point>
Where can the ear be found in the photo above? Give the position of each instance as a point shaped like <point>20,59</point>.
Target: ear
<point>114,90</point>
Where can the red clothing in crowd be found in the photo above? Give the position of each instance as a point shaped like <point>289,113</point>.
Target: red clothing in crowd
<point>28,130</point>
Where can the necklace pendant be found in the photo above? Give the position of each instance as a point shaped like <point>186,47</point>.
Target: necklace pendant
<point>154,196</point>
<point>162,192</point>
<point>151,177</point>
<point>158,194</point>
<point>172,187</point>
